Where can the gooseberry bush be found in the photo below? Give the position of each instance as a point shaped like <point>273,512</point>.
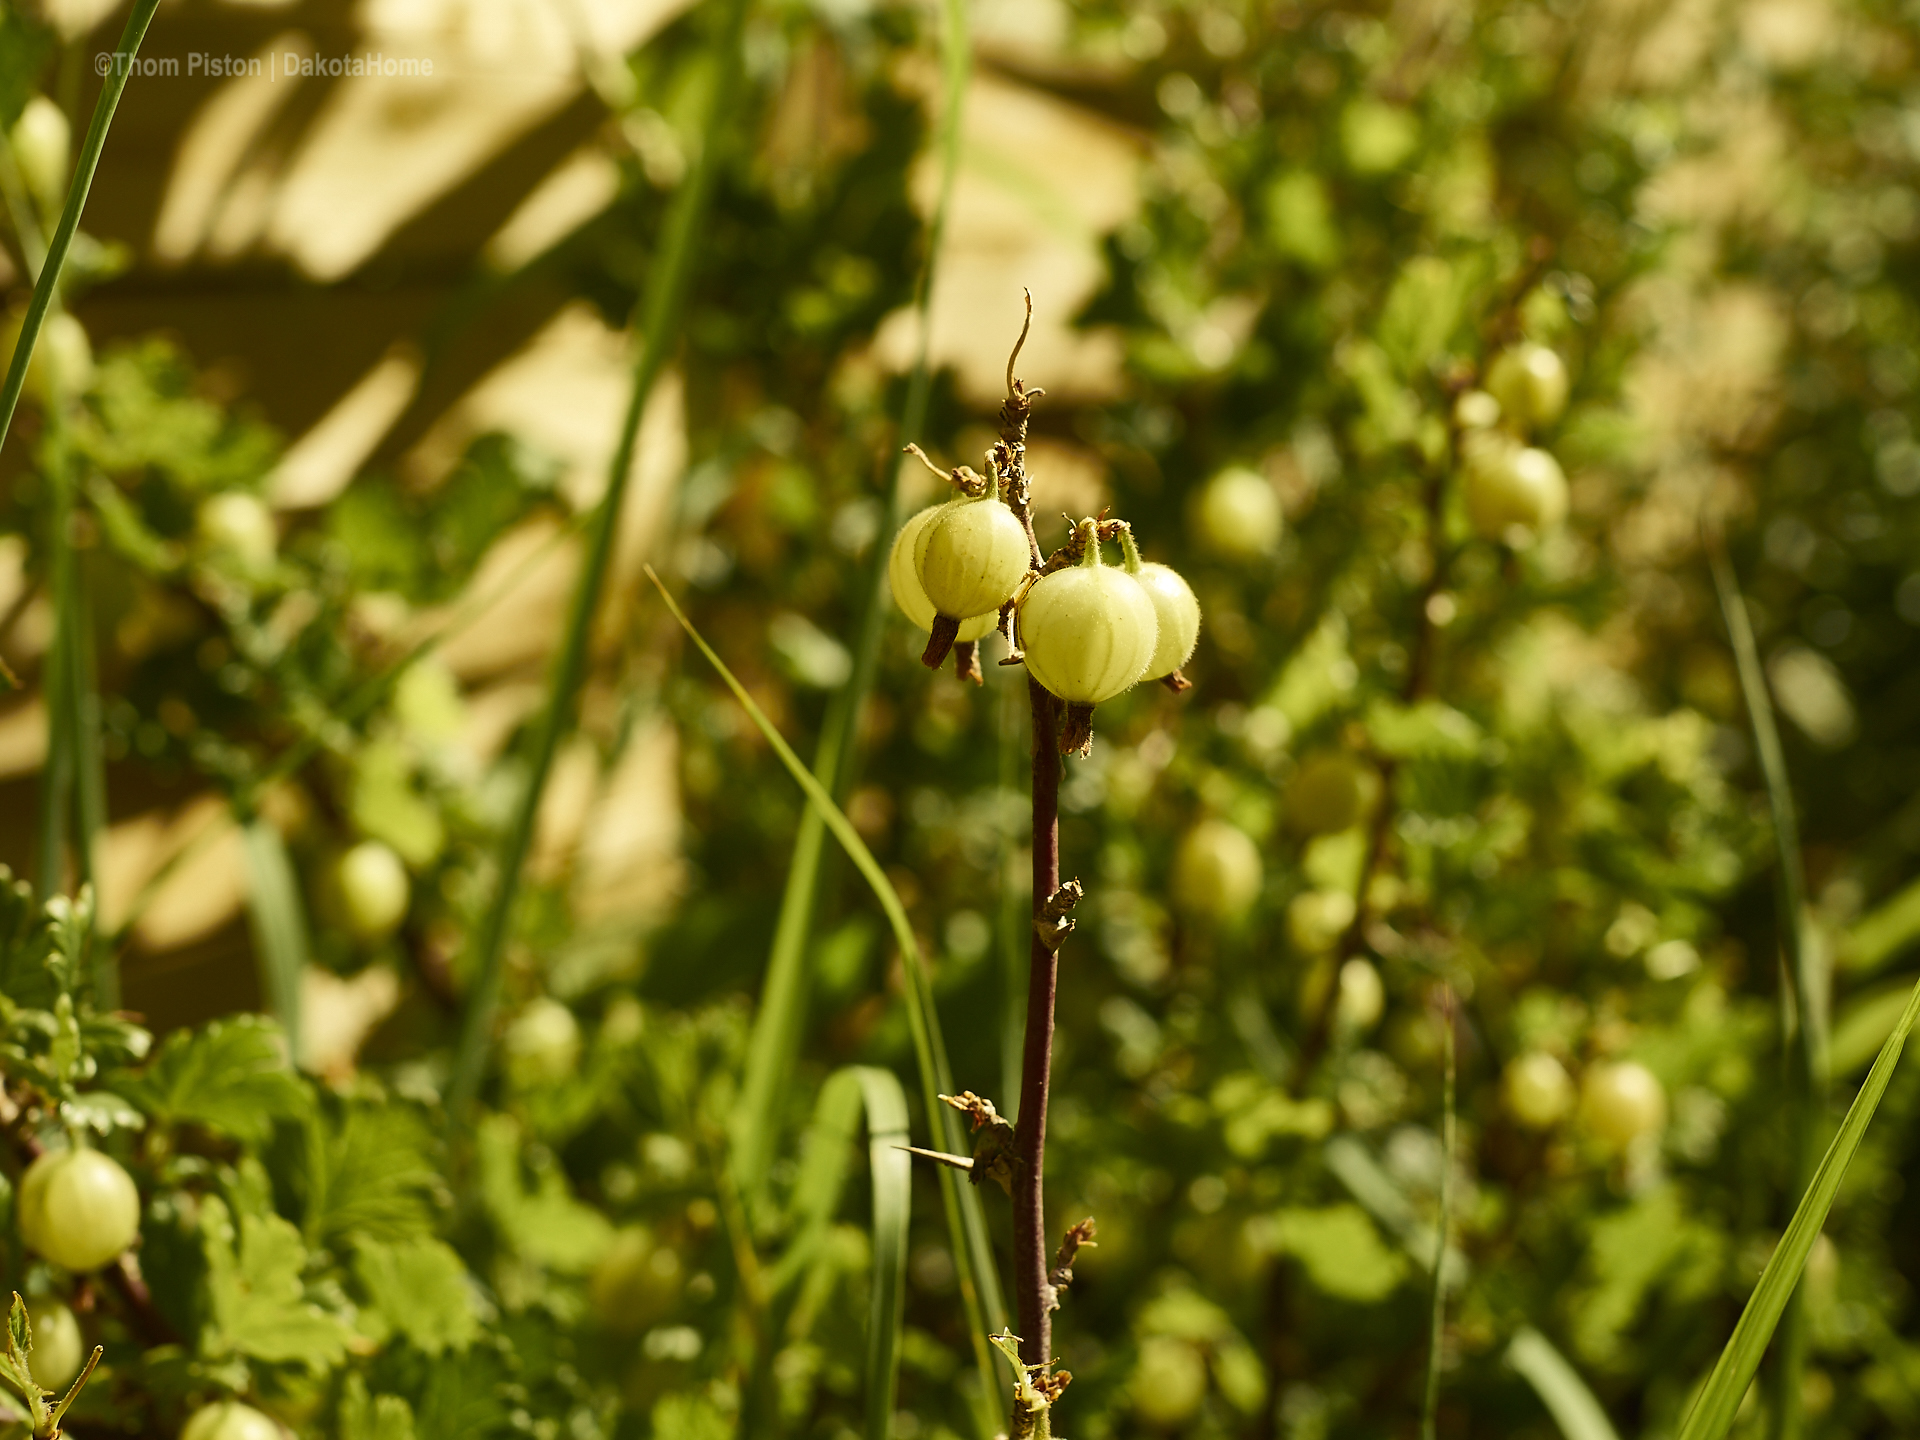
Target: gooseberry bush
<point>1375,936</point>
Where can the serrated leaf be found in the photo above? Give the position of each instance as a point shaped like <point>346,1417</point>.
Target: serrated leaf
<point>421,1290</point>
<point>369,1176</point>
<point>375,1417</point>
<point>231,1077</point>
<point>258,1303</point>
<point>462,1396</point>
<point>19,1331</point>
<point>101,1111</point>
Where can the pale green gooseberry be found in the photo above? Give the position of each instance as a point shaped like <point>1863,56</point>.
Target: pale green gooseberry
<point>1169,1381</point>
<point>78,1208</point>
<point>374,889</point>
<point>971,556</point>
<point>240,526</point>
<point>230,1420</point>
<point>1238,515</point>
<point>1621,1101</point>
<point>1326,795</point>
<point>636,1281</point>
<point>1530,382</point>
<point>62,360</point>
<point>43,145</point>
<point>1513,492</point>
<point>1316,919</point>
<point>1176,611</point>
<point>1088,630</point>
<point>58,1350</point>
<point>1362,997</point>
<point>1538,1090</point>
<point>903,577</point>
<point>543,1043</point>
<point>1217,872</point>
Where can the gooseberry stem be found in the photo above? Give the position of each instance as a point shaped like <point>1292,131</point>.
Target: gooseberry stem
<point>1033,1294</point>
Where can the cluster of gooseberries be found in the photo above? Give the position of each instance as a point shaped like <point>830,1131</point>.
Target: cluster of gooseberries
<point>1085,629</point>
<point>1618,1100</point>
<point>1514,491</point>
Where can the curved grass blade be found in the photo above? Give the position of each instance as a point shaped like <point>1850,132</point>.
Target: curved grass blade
<point>63,233</point>
<point>782,1011</point>
<point>1808,1023</point>
<point>892,1209</point>
<point>278,922</point>
<point>1883,934</point>
<point>966,1222</point>
<point>665,299</point>
<point>1559,1386</point>
<point>1713,1413</point>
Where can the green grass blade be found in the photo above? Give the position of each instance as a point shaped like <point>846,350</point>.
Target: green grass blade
<point>821,1177</point>
<point>1884,934</point>
<point>665,298</point>
<point>892,1209</point>
<point>1559,1386</point>
<point>1863,1026</point>
<point>278,922</point>
<point>1713,1413</point>
<point>63,233</point>
<point>1443,1234</point>
<point>965,1221</point>
<point>1810,1033</point>
<point>783,997</point>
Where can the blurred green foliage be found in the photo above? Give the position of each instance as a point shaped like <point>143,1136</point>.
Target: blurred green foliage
<point>1348,212</point>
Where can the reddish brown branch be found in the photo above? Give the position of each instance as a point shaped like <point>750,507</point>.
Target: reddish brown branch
<point>1033,1293</point>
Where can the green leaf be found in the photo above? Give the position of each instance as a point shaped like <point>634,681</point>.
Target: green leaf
<point>421,1290</point>
<point>258,1303</point>
<point>1883,934</point>
<point>541,1220</point>
<point>101,1111</point>
<point>369,1176</point>
<point>821,1178</point>
<point>378,1417</point>
<point>19,1331</point>
<point>1559,1386</point>
<point>231,1077</point>
<point>1340,1250</point>
<point>1713,1413</point>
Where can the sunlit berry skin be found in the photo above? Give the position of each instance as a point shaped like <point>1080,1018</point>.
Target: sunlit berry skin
<point>971,556</point>
<point>1169,1381</point>
<point>1217,872</point>
<point>1537,1089</point>
<point>1513,492</point>
<point>903,577</point>
<point>1622,1100</point>
<point>230,1420</point>
<point>1088,630</point>
<point>1530,382</point>
<point>58,1350</point>
<point>1326,795</point>
<point>78,1208</point>
<point>1238,515</point>
<point>1176,611</point>
<point>374,889</point>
